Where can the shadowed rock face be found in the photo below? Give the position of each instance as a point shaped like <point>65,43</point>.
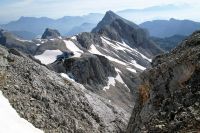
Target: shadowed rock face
<point>88,69</point>
<point>50,33</point>
<point>169,95</point>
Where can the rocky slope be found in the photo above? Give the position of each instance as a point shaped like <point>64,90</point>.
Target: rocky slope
<point>53,103</point>
<point>169,95</point>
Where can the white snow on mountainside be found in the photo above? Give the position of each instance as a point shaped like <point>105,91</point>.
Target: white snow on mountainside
<point>11,121</point>
<point>72,47</point>
<point>112,80</point>
<point>48,56</point>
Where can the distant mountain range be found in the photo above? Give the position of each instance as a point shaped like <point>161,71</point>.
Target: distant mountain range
<point>31,27</point>
<point>65,25</point>
<point>167,28</point>
<point>169,43</point>
<point>85,27</point>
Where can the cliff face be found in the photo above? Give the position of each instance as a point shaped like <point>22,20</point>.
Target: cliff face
<point>169,95</point>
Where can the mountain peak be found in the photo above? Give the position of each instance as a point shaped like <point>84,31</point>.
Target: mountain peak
<point>50,33</point>
<point>111,14</point>
<point>109,17</point>
<point>172,19</point>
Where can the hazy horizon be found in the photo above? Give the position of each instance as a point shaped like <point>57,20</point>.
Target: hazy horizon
<point>178,9</point>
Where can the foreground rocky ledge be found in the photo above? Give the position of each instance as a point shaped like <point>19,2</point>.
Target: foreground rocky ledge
<point>169,95</point>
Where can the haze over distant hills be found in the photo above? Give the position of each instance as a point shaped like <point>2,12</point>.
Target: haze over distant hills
<point>167,28</point>
<point>65,24</point>
<point>31,27</point>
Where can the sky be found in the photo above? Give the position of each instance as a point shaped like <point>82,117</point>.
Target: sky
<point>13,9</point>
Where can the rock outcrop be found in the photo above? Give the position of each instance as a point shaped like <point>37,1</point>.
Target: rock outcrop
<point>169,95</point>
<point>86,39</point>
<point>88,69</point>
<point>50,34</point>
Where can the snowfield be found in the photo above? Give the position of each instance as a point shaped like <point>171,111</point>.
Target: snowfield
<point>11,122</point>
<point>72,47</point>
<point>48,56</point>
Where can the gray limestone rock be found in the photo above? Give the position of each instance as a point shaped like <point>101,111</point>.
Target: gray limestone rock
<point>169,95</point>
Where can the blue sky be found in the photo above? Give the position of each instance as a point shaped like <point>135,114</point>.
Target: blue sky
<point>13,9</point>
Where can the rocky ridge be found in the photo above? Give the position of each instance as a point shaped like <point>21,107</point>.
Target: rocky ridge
<point>169,95</point>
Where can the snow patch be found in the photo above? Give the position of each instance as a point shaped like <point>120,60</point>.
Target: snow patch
<point>74,37</point>
<point>64,75</point>
<point>115,46</point>
<point>38,44</point>
<point>11,122</point>
<point>48,56</point>
<point>22,40</point>
<point>133,62</point>
<point>93,50</point>
<point>41,40</point>
<point>123,46</point>
<point>116,60</point>
<point>116,69</point>
<point>112,81</point>
<point>132,70</point>
<point>143,56</point>
<point>119,78</point>
<point>72,47</point>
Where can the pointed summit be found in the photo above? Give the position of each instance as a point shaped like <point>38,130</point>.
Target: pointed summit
<point>119,29</point>
<point>50,33</point>
<point>109,17</point>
